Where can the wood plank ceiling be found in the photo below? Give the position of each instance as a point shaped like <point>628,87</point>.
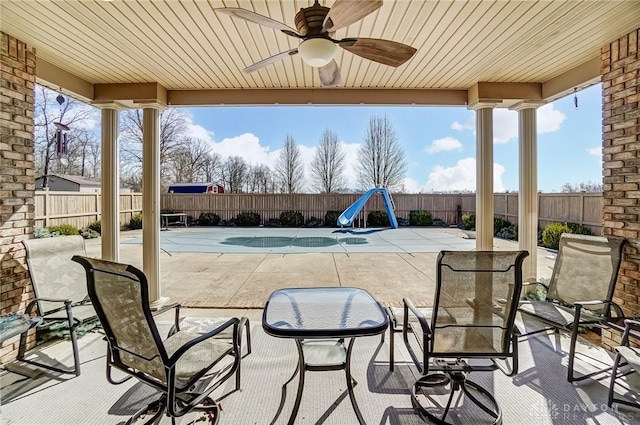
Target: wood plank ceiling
<point>187,45</point>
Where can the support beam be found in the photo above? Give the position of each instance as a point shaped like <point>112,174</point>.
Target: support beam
<point>528,193</point>
<point>58,79</point>
<point>483,92</point>
<point>484,177</point>
<point>420,97</point>
<point>110,192</point>
<point>580,77</point>
<point>151,202</point>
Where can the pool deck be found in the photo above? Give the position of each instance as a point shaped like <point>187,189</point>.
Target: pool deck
<point>197,271</point>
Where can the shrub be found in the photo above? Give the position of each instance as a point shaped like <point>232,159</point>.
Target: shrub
<point>331,218</point>
<point>468,221</point>
<point>499,224</point>
<point>248,218</point>
<point>439,223</point>
<point>579,229</point>
<point>64,230</point>
<point>378,219</point>
<point>510,232</point>
<point>89,234</point>
<point>420,218</point>
<point>313,222</point>
<point>43,232</point>
<point>551,234</point>
<point>95,226</point>
<point>209,219</point>
<point>135,222</point>
<point>291,219</point>
<point>402,221</point>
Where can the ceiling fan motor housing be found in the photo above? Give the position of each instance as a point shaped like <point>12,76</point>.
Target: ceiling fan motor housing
<point>310,19</point>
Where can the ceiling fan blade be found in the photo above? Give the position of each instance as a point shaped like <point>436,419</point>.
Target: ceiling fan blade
<point>330,75</point>
<point>386,52</point>
<point>270,60</point>
<point>256,18</point>
<point>345,12</point>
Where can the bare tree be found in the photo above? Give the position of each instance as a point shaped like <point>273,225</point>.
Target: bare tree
<point>173,127</point>
<point>289,168</point>
<point>79,117</point>
<point>233,173</point>
<point>188,161</point>
<point>327,167</point>
<point>381,159</point>
<point>589,187</point>
<point>259,179</point>
<point>211,168</point>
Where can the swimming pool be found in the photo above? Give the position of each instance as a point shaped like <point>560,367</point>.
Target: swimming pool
<point>301,240</point>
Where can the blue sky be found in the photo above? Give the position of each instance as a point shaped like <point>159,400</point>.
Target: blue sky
<point>439,143</point>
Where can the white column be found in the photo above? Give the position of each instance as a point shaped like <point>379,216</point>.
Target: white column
<point>528,193</point>
<point>110,186</point>
<point>151,202</point>
<point>484,177</point>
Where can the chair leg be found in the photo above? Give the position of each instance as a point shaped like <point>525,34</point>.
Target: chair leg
<point>391,347</point>
<point>74,346</point>
<point>248,336</point>
<point>457,381</point>
<point>612,383</point>
<point>571,377</point>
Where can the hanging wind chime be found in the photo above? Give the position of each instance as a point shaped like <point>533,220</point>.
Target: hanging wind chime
<point>61,137</point>
<point>575,97</point>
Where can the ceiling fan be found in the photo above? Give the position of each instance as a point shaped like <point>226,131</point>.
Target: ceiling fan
<point>316,26</point>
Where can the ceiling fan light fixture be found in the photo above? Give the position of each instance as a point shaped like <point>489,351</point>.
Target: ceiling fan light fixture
<point>317,52</point>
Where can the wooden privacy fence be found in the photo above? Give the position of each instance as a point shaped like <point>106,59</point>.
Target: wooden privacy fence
<point>79,209</point>
<point>583,208</point>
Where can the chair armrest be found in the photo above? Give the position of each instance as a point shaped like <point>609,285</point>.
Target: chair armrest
<point>590,303</point>
<point>525,284</point>
<point>164,309</point>
<point>34,302</point>
<point>408,306</point>
<point>186,347</point>
<point>628,325</point>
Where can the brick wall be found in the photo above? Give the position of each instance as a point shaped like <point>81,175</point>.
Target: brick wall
<point>621,167</point>
<point>17,184</point>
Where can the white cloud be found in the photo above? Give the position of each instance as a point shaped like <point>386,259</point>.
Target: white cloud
<point>469,124</point>
<point>461,176</point>
<point>199,132</point>
<point>595,151</point>
<point>444,144</point>
<point>411,185</point>
<point>505,123</point>
<point>247,146</point>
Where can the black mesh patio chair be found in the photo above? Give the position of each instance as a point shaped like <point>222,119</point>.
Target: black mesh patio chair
<point>629,356</point>
<point>471,329</point>
<point>60,290</point>
<point>580,291</point>
<point>180,367</point>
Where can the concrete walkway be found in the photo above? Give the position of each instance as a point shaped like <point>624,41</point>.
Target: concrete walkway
<point>245,280</point>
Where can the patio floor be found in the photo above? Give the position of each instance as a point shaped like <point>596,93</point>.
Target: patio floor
<point>195,275</point>
<point>539,394</point>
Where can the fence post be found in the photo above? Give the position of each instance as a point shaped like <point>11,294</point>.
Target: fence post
<point>47,207</point>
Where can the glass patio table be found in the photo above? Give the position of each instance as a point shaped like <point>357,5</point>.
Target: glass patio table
<point>320,320</point>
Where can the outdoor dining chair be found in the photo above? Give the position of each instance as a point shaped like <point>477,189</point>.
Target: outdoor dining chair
<point>627,355</point>
<point>180,367</point>
<point>60,291</point>
<point>470,329</point>
<point>580,292</point>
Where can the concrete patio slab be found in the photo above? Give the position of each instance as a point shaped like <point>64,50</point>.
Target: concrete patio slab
<point>394,263</point>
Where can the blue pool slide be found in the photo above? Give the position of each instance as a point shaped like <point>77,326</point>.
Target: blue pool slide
<point>350,214</point>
